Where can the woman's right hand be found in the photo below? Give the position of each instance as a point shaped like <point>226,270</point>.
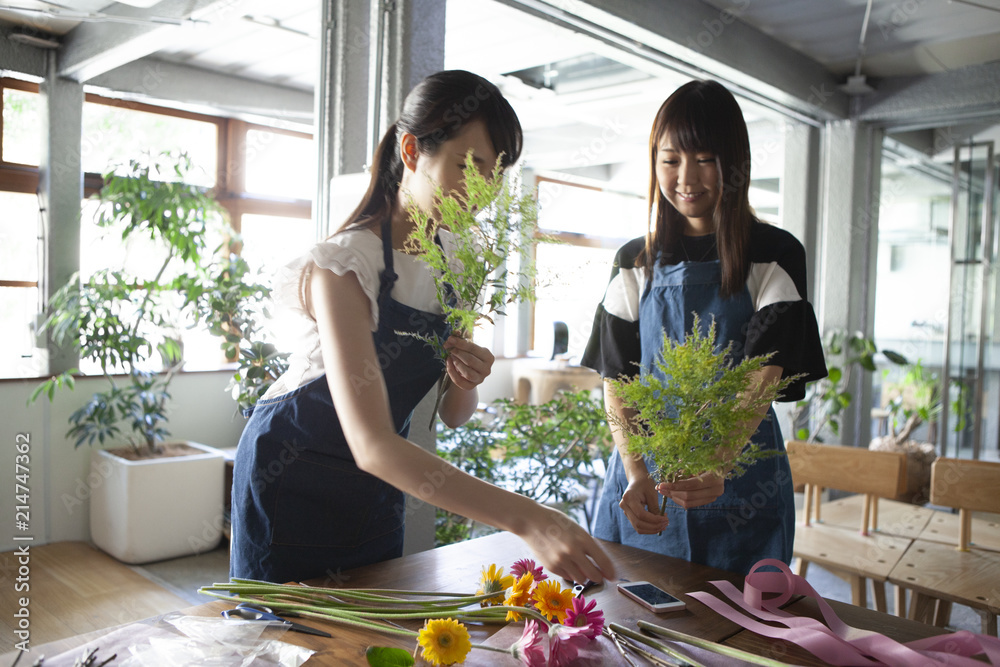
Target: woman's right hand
<point>564,548</point>
<point>641,504</point>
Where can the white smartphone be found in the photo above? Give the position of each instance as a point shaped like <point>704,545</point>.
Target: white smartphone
<point>651,597</point>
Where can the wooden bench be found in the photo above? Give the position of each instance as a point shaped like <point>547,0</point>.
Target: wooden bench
<point>858,555</point>
<point>941,574</point>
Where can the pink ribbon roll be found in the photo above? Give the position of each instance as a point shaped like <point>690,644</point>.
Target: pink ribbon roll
<point>837,643</point>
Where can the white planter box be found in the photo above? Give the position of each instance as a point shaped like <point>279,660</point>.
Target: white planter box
<point>143,511</point>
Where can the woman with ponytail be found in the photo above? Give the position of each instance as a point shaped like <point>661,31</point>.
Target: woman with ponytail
<point>324,462</point>
<point>705,254</point>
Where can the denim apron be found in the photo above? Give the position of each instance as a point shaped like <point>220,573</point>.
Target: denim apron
<point>754,518</point>
<point>301,506</point>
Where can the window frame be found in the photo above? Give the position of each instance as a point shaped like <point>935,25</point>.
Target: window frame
<point>229,189</point>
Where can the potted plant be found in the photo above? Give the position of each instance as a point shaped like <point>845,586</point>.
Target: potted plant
<point>545,452</point>
<point>913,400</point>
<point>153,500</point>
<point>826,399</point>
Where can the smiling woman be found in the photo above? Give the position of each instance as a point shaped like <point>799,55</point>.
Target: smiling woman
<point>707,258</point>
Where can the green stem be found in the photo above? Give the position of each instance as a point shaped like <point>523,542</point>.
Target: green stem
<point>663,508</point>
<point>721,649</point>
<point>649,641</point>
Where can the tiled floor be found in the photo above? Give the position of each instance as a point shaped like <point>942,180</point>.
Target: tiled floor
<point>183,577</point>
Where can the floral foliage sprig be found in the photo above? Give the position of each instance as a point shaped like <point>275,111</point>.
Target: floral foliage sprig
<point>698,414</point>
<point>489,223</point>
<point>443,639</point>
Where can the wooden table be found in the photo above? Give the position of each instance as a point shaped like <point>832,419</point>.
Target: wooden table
<point>457,568</point>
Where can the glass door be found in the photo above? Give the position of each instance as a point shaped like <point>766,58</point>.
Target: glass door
<point>970,377</point>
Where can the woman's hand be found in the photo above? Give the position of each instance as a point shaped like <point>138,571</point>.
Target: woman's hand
<point>468,364</point>
<point>564,548</point>
<point>694,491</point>
<point>641,504</point>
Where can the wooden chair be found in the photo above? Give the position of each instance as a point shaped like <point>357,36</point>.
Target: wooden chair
<point>858,555</point>
<point>941,574</point>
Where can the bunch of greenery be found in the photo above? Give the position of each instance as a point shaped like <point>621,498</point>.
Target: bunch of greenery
<point>828,398</point>
<point>699,418</point>
<point>489,224</point>
<point>545,452</point>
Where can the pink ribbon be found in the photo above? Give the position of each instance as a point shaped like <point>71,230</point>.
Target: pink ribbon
<point>836,642</point>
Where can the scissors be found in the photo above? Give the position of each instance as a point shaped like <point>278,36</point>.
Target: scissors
<point>249,612</point>
<point>579,589</point>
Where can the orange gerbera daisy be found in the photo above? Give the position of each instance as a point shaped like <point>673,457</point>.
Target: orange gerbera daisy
<point>552,600</point>
<point>445,641</point>
<point>494,581</point>
<point>519,596</point>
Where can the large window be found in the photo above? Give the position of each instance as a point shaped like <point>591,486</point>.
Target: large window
<point>20,257</point>
<point>262,176</point>
<point>590,224</point>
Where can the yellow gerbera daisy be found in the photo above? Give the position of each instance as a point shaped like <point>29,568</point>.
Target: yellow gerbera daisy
<point>519,596</point>
<point>552,600</point>
<point>494,581</point>
<point>445,641</point>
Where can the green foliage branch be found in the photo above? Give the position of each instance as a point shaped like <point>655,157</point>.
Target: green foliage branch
<point>700,417</point>
<point>827,399</point>
<point>544,452</point>
<point>232,302</point>
<point>489,223</point>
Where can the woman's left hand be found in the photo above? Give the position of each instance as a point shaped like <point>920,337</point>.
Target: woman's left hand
<point>694,491</point>
<point>468,364</point>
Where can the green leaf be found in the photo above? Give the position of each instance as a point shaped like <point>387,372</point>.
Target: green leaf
<point>835,374</point>
<point>895,357</point>
<point>802,434</point>
<point>384,656</point>
<point>867,362</point>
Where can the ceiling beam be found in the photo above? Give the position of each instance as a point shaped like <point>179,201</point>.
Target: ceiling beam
<point>948,98</point>
<point>18,57</point>
<point>196,88</point>
<point>704,42</point>
<point>93,48</point>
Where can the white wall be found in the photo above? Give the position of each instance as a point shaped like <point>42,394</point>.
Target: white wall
<point>201,410</point>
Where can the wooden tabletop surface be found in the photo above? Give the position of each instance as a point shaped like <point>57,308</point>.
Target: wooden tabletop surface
<point>456,568</point>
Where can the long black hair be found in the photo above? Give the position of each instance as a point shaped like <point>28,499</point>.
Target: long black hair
<point>434,111</point>
<point>703,116</point>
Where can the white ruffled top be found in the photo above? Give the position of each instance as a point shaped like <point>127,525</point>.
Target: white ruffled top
<point>356,251</point>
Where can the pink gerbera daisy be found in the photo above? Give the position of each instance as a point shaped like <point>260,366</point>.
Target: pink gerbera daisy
<point>528,649</point>
<point>526,566</point>
<point>565,643</point>
<point>585,615</point>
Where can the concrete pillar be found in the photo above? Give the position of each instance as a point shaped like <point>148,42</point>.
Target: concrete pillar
<point>372,54</point>
<point>413,47</point>
<point>61,189</point>
<point>342,115</point>
<point>849,234</point>
<point>800,193</point>
<point>414,41</point>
